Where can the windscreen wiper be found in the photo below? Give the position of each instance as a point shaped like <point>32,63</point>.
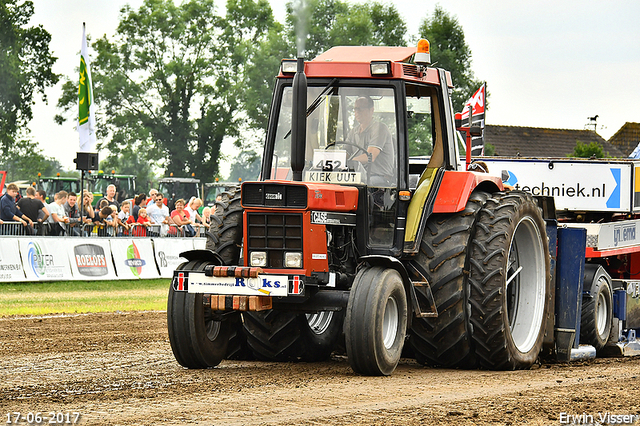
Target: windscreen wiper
<point>316,102</point>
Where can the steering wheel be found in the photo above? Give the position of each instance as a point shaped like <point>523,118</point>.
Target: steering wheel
<point>358,147</point>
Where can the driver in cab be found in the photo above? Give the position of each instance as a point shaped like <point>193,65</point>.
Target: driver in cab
<point>374,138</point>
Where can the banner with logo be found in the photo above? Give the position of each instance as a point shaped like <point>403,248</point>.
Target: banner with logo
<point>90,259</point>
<point>168,251</point>
<point>133,258</point>
<point>11,269</point>
<point>43,259</point>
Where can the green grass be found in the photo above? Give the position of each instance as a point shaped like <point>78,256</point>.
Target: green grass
<point>40,298</point>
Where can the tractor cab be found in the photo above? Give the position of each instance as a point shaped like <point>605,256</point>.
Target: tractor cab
<point>363,121</point>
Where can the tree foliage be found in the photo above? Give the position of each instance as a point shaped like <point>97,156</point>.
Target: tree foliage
<point>584,150</point>
<point>25,69</point>
<point>167,84</point>
<point>450,51</point>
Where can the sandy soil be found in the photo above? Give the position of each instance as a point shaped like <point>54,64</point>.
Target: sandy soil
<point>118,369</point>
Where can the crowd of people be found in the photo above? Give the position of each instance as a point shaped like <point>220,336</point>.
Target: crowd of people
<point>143,216</point>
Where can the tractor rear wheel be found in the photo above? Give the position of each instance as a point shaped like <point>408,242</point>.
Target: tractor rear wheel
<point>376,321</point>
<point>197,338</point>
<point>509,282</point>
<point>289,336</point>
<point>443,259</point>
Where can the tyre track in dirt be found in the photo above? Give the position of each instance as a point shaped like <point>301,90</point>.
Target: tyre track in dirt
<point>119,369</point>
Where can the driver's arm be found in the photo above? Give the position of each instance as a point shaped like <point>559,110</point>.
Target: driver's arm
<point>363,158</point>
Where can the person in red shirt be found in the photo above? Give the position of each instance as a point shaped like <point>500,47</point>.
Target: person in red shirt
<point>141,225</point>
<point>181,218</point>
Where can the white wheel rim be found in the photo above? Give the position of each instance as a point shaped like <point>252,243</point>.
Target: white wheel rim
<point>319,322</point>
<point>602,313</point>
<point>525,284</point>
<point>390,323</point>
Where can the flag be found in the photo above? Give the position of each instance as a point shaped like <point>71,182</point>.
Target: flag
<point>86,116</point>
<point>476,105</point>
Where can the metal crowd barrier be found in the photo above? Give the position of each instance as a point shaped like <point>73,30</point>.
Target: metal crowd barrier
<point>99,230</point>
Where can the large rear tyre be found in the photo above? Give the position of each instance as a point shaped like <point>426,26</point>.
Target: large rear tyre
<point>376,321</point>
<point>510,282</point>
<point>197,339</point>
<point>287,336</point>
<point>597,308</point>
<point>445,340</point>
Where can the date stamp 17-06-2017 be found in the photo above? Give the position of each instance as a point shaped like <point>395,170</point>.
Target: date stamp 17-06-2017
<point>41,418</point>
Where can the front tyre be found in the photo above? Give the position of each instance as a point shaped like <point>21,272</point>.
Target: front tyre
<point>376,321</point>
<point>509,281</point>
<point>197,338</point>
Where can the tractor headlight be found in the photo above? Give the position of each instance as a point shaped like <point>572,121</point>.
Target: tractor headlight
<point>293,260</point>
<point>380,68</point>
<point>258,258</point>
<point>289,66</point>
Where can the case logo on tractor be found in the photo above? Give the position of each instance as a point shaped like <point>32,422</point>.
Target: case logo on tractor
<point>275,196</point>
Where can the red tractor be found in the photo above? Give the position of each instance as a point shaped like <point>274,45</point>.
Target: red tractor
<point>347,239</point>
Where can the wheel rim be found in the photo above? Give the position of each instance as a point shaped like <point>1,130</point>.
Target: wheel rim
<point>319,322</point>
<point>390,323</point>
<point>602,312</point>
<point>525,284</point>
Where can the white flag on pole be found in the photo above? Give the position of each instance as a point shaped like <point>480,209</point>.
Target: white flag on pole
<point>86,114</point>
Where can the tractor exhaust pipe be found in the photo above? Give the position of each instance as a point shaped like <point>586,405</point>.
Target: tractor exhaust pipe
<point>299,121</point>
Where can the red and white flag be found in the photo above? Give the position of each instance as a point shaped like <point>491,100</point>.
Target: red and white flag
<point>477,107</point>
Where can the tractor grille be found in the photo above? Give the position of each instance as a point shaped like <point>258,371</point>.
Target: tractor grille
<point>274,233</point>
<point>274,195</point>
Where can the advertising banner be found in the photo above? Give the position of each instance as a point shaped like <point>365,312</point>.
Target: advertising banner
<point>11,269</point>
<point>133,258</point>
<point>199,243</point>
<point>168,251</point>
<point>574,185</point>
<point>44,259</point>
<point>90,259</point>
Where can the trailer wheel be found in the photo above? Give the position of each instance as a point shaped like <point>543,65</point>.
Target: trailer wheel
<point>443,257</point>
<point>509,282</point>
<point>597,309</point>
<point>197,339</point>
<point>376,321</point>
<point>289,336</point>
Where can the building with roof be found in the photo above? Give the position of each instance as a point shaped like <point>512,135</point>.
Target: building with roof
<point>627,138</point>
<point>511,141</point>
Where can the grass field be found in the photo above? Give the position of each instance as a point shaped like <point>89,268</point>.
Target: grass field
<point>40,298</point>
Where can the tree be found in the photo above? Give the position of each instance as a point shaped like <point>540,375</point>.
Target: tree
<point>168,83</point>
<point>451,52</point>
<point>26,68</point>
<point>26,161</point>
<point>592,149</point>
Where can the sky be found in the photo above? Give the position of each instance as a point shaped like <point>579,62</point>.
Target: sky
<point>546,63</point>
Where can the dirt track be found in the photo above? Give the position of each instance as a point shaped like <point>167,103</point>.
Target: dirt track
<point>119,369</point>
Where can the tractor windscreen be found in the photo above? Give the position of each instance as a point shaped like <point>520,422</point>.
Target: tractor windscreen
<point>351,137</point>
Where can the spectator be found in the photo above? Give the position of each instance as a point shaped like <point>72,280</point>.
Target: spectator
<point>181,218</point>
<point>31,206</point>
<point>58,218</point>
<point>111,196</point>
<point>101,205</point>
<point>141,224</point>
<point>192,209</point>
<point>112,221</point>
<point>10,212</point>
<point>42,196</point>
<point>206,216</point>
<point>101,220</point>
<point>159,213</point>
<point>138,202</point>
<point>123,218</point>
<point>72,212</point>
<point>87,208</point>
<point>152,197</point>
